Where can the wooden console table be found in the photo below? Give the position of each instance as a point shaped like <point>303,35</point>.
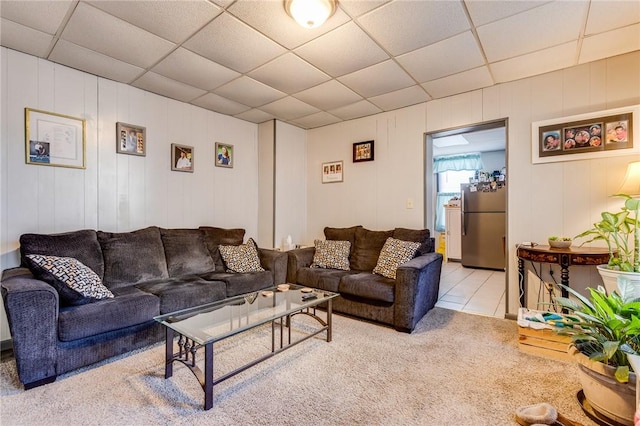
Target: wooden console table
<point>563,257</point>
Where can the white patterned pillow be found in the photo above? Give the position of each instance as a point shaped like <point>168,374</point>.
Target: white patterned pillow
<point>331,254</point>
<point>393,254</point>
<point>76,283</point>
<point>242,258</point>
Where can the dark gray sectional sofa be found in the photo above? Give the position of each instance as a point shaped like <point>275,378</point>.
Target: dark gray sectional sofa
<point>150,271</point>
<point>400,303</point>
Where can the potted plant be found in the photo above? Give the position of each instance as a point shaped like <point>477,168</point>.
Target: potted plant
<point>620,232</point>
<point>604,328</point>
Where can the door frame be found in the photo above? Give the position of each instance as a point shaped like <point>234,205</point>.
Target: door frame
<point>430,188</point>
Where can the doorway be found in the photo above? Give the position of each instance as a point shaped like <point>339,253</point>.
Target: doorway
<point>472,288</point>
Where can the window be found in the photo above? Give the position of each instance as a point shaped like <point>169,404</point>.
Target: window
<point>450,180</point>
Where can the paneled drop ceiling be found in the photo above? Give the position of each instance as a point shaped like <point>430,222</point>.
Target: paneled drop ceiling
<point>249,59</point>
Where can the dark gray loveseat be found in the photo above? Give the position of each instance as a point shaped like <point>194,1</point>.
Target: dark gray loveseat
<point>150,271</point>
<point>400,303</point>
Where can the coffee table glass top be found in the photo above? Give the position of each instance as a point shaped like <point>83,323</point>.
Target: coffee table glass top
<point>218,320</point>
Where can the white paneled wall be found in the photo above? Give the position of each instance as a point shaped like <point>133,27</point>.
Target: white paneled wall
<point>544,199</point>
<point>117,192</point>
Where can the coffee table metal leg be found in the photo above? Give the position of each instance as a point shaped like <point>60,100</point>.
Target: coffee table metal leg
<point>168,354</point>
<point>329,322</point>
<point>208,376</point>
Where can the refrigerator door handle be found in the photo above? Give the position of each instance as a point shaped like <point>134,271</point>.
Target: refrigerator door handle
<point>462,207</point>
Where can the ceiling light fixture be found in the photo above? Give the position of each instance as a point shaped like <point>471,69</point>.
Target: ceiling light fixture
<point>310,13</point>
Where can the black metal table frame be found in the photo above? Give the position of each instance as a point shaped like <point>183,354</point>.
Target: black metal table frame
<point>188,348</point>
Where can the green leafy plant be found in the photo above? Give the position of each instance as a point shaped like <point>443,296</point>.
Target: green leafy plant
<point>617,230</point>
<point>604,327</point>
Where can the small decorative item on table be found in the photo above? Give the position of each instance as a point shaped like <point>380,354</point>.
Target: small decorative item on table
<point>560,242</point>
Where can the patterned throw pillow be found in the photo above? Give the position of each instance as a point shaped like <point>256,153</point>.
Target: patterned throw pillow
<point>331,254</point>
<point>242,258</point>
<point>76,283</point>
<point>393,254</point>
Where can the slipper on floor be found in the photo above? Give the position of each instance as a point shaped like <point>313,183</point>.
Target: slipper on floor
<point>542,414</point>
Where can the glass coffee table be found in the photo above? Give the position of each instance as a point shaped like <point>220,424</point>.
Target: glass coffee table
<point>201,326</point>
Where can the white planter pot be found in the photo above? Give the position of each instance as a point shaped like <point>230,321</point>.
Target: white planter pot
<point>610,279</point>
<point>605,394</point>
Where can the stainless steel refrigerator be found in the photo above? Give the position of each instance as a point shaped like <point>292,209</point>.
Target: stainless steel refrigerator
<point>483,227</point>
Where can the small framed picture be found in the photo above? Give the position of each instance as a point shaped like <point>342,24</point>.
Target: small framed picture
<point>224,155</point>
<point>363,151</point>
<point>332,172</point>
<point>181,158</point>
<point>131,139</point>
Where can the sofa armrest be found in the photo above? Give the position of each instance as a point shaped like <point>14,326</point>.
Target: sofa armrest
<point>296,259</point>
<point>416,289</point>
<point>32,312</point>
<point>276,262</point>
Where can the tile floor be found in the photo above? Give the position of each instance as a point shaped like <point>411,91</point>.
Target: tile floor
<point>475,291</point>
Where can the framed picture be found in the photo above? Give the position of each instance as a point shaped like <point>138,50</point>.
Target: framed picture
<point>224,155</point>
<point>598,134</point>
<point>363,151</point>
<point>131,139</point>
<point>332,172</point>
<point>54,139</point>
<point>181,158</point>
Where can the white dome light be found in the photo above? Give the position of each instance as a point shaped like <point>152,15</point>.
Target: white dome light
<point>310,13</point>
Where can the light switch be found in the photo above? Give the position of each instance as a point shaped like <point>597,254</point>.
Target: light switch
<point>409,203</point>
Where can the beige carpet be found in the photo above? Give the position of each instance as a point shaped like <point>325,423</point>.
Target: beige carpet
<point>454,369</point>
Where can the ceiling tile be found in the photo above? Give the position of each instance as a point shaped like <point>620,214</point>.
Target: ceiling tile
<point>289,108</point>
<point>289,74</point>
<point>342,51</point>
<point>194,70</point>
<point>226,37</point>
<point>447,57</point>
<point>607,15</point>
<point>94,29</point>
<point>359,109</point>
<point>216,103</point>
<point>250,92</point>
<point>535,63</point>
<point>377,79</point>
<point>24,39</point>
<point>483,12</point>
<point>78,57</point>
<point>331,94</point>
<point>611,43</point>
<point>356,8</point>
<point>174,21</point>
<point>505,39</point>
<point>459,83</point>
<point>426,21</point>
<point>316,120</point>
<point>400,98</point>
<point>271,19</point>
<point>255,116</point>
<point>45,16</point>
<point>165,86</point>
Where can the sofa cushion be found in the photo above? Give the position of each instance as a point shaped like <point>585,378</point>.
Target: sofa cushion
<point>130,307</point>
<point>132,257</point>
<point>186,252</point>
<point>184,292</point>
<point>368,286</point>
<point>393,254</point>
<point>76,283</point>
<point>242,258</point>
<point>342,234</point>
<point>331,254</point>
<point>422,236</point>
<point>247,282</point>
<point>324,279</point>
<point>368,246</point>
<point>82,245</point>
<point>214,237</point>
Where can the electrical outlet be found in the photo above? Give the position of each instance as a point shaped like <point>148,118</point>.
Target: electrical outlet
<point>409,203</point>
